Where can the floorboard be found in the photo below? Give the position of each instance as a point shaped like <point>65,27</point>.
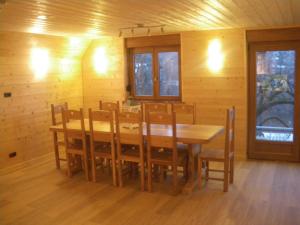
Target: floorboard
<point>263,193</point>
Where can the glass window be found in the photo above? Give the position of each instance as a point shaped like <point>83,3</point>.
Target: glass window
<point>155,73</point>
<point>275,82</point>
<point>143,74</point>
<point>168,74</point>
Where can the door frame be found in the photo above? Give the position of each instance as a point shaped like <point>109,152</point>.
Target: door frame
<point>258,149</point>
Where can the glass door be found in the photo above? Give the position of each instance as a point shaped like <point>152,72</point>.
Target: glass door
<point>273,106</point>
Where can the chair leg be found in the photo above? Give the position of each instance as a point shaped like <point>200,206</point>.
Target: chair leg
<point>149,176</point>
<point>226,175</point>
<point>56,151</point>
<point>161,174</point>
<point>155,171</point>
<point>142,166</point>
<point>109,166</point>
<point>69,172</point>
<point>102,164</point>
<point>185,170</point>
<point>200,166</point>
<point>93,167</point>
<point>114,171</point>
<point>120,171</point>
<point>231,170</point>
<point>175,179</point>
<point>207,170</point>
<point>86,167</point>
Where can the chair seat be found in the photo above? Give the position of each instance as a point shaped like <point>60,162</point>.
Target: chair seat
<point>130,150</point>
<point>213,154</point>
<point>60,143</point>
<point>165,155</point>
<point>75,148</point>
<point>102,148</point>
<point>75,145</point>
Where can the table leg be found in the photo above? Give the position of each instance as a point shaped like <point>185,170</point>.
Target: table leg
<point>193,150</point>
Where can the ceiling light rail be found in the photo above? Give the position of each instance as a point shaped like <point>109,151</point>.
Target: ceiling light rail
<point>140,26</point>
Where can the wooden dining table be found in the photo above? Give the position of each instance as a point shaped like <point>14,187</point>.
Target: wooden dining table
<point>193,135</point>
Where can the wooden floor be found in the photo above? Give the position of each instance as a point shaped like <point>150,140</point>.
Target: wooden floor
<point>264,193</point>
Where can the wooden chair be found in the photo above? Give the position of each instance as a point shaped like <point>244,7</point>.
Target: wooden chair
<point>130,143</point>
<point>55,111</point>
<point>75,141</point>
<point>102,142</point>
<point>162,150</point>
<point>185,113</point>
<point>226,156</point>
<point>110,106</point>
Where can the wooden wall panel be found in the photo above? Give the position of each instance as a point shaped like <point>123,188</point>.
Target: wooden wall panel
<point>215,92</point>
<point>25,117</point>
<point>109,85</point>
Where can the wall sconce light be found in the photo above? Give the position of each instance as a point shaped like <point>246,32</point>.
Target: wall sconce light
<point>40,62</point>
<point>66,65</point>
<point>215,60</point>
<point>100,60</point>
<point>75,42</point>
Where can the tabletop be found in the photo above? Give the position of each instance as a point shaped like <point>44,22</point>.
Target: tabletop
<point>186,133</point>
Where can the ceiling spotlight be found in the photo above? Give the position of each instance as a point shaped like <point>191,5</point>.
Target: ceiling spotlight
<point>120,33</point>
<point>148,32</point>
<point>162,30</point>
<point>132,31</point>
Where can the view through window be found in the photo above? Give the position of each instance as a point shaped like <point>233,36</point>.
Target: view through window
<point>275,82</point>
<point>156,73</point>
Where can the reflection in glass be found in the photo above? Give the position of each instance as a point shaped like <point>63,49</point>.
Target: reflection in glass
<point>143,74</point>
<point>168,73</point>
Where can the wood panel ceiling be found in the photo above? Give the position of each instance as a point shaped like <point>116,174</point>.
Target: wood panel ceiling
<point>105,17</point>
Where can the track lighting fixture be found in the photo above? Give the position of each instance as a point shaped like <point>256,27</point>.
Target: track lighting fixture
<point>141,26</point>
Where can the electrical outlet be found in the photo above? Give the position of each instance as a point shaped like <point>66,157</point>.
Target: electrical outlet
<point>7,94</point>
<point>12,154</point>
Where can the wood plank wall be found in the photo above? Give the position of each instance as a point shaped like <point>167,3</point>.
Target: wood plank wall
<point>25,117</point>
<point>214,92</point>
<point>108,85</point>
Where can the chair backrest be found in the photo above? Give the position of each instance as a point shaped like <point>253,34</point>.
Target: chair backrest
<point>185,113</point>
<point>57,110</point>
<point>109,106</point>
<point>74,132</point>
<point>230,131</point>
<point>162,140</point>
<point>101,126</point>
<point>129,127</point>
<point>154,107</point>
